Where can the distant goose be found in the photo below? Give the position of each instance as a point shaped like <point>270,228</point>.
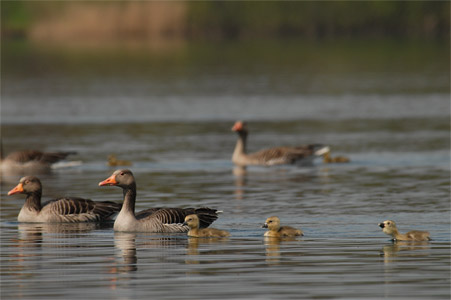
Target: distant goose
<point>275,230</point>
<point>30,161</point>
<point>389,227</point>
<point>272,156</point>
<point>193,223</point>
<point>67,209</point>
<point>154,219</point>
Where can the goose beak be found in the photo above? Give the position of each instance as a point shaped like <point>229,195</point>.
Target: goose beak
<point>109,181</point>
<point>237,126</point>
<point>16,190</point>
<point>265,225</point>
<point>381,225</point>
<point>185,224</point>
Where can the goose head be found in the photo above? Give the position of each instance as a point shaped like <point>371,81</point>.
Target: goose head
<point>27,185</point>
<point>121,178</point>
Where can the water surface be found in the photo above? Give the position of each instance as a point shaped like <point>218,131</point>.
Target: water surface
<point>389,116</point>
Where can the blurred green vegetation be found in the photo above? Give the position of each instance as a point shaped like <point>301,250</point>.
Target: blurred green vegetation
<point>217,20</point>
<point>319,19</point>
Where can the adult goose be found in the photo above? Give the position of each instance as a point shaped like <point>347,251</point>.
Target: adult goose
<point>389,227</point>
<point>277,231</point>
<point>194,231</point>
<point>30,161</point>
<point>67,209</point>
<point>272,156</point>
<point>154,219</point>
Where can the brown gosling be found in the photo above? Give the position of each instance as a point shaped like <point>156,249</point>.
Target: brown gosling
<point>275,230</point>
<point>193,223</point>
<point>327,159</point>
<point>113,161</point>
<point>389,227</point>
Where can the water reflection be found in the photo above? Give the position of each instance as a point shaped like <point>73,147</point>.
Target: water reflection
<point>272,248</point>
<point>32,237</point>
<point>400,249</point>
<point>126,243</point>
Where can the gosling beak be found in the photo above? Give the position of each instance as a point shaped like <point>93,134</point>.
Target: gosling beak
<point>381,225</point>
<point>16,190</point>
<point>265,225</point>
<point>109,181</point>
<point>185,224</point>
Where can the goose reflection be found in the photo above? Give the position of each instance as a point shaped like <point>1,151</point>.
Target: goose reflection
<point>240,181</point>
<point>128,242</point>
<point>32,237</point>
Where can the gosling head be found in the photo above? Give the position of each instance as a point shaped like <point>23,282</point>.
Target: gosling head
<point>388,227</point>
<point>272,223</point>
<point>192,221</point>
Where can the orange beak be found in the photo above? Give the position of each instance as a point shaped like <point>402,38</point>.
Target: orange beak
<point>16,190</point>
<point>238,126</point>
<point>109,181</point>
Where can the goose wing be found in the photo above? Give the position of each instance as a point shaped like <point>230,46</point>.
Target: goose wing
<point>35,155</point>
<point>168,215</point>
<point>78,209</point>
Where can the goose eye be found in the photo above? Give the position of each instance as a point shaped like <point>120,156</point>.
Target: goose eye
<point>388,223</point>
<point>122,173</point>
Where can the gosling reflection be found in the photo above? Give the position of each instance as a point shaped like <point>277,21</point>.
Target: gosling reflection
<point>397,249</point>
<point>272,248</point>
<point>193,247</point>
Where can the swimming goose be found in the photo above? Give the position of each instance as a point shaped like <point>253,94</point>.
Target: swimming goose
<point>389,227</point>
<point>275,230</point>
<point>67,209</point>
<point>154,219</point>
<point>272,156</point>
<point>192,221</point>
<point>30,161</point>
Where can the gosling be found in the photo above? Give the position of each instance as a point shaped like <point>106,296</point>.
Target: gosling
<point>327,159</point>
<point>113,161</point>
<point>389,227</point>
<point>275,230</point>
<point>192,221</point>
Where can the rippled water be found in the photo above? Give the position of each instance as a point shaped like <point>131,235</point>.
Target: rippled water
<point>398,143</point>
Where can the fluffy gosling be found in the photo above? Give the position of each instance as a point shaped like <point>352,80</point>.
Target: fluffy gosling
<point>275,230</point>
<point>389,227</point>
<point>193,223</point>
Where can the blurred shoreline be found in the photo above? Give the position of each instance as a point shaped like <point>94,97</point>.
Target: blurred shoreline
<point>166,24</point>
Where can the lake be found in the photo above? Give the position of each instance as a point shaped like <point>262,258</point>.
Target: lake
<point>384,105</point>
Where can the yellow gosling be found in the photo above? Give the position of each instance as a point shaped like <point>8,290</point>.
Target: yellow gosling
<point>275,230</point>
<point>113,161</point>
<point>389,227</point>
<point>193,223</point>
<point>327,159</point>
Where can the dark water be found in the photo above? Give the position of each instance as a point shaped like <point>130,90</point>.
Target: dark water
<point>391,119</point>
